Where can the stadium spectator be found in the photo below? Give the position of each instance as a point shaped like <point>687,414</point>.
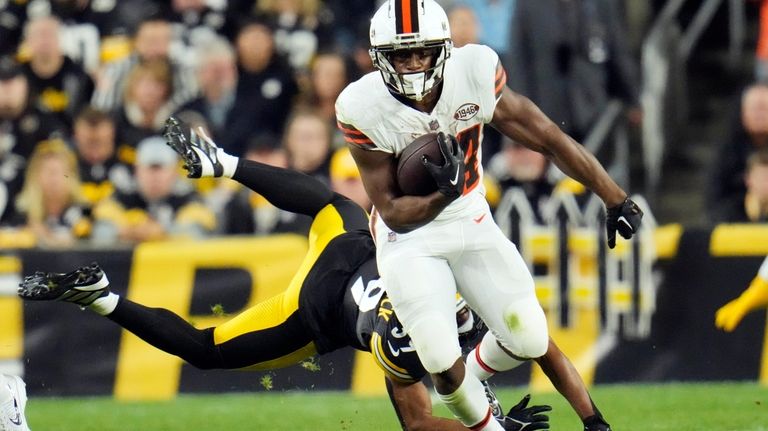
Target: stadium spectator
<point>229,114</point>
<point>494,18</point>
<point>517,167</point>
<point>51,204</point>
<point>151,42</point>
<point>196,22</point>
<point>307,143</point>
<point>101,172</point>
<point>571,57</point>
<point>80,34</point>
<point>328,74</point>
<point>248,212</point>
<point>111,18</point>
<point>162,206</point>
<point>331,313</point>
<point>345,178</point>
<point>753,298</point>
<point>360,55</point>
<point>264,77</point>
<point>146,104</point>
<point>301,26</point>
<point>56,83</point>
<point>22,126</point>
<point>464,25</point>
<point>756,181</point>
<point>726,189</point>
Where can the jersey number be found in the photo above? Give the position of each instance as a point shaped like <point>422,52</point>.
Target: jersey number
<point>367,296</point>
<point>469,139</point>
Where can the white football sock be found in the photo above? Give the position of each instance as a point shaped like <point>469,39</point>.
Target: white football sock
<point>105,304</point>
<point>488,358</point>
<point>228,162</point>
<point>470,406</point>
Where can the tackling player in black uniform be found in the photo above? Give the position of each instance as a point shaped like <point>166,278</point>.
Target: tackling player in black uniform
<point>306,319</point>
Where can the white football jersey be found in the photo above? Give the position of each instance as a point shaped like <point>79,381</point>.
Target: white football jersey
<point>373,119</point>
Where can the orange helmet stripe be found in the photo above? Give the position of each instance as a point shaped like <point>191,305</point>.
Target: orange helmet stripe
<point>406,16</point>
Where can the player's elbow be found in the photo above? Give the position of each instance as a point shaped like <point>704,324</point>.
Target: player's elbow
<point>396,222</point>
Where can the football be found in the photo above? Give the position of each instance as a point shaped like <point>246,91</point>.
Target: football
<point>413,178</point>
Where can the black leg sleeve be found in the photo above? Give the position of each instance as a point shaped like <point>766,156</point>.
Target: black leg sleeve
<point>169,333</point>
<point>284,188</point>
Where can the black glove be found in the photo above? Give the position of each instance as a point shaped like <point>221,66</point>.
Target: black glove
<point>522,418</point>
<point>450,176</point>
<point>625,218</point>
<point>596,423</point>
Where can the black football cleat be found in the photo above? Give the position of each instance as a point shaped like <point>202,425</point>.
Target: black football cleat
<point>81,286</point>
<point>199,152</point>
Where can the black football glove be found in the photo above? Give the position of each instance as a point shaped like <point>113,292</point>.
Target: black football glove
<point>596,423</point>
<point>624,218</point>
<point>450,176</point>
<point>523,418</point>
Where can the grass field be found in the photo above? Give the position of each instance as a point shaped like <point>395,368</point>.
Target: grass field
<point>678,407</point>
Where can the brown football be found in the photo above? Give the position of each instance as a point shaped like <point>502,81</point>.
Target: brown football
<point>413,178</point>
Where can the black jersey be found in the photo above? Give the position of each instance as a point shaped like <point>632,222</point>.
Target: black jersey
<point>322,304</point>
<point>343,303</point>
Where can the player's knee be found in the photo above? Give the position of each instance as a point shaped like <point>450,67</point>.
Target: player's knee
<point>526,334</point>
<point>436,343</point>
<point>206,355</point>
<point>436,363</point>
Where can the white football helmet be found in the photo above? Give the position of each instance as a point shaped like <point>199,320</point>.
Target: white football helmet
<point>410,24</point>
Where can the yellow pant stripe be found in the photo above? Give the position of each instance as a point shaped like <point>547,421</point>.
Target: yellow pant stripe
<point>286,360</point>
<point>267,314</point>
<point>326,226</point>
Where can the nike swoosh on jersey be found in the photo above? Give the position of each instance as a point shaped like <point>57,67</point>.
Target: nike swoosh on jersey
<point>479,219</point>
<point>395,352</point>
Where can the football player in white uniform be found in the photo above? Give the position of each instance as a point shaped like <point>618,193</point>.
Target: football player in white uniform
<point>430,246</point>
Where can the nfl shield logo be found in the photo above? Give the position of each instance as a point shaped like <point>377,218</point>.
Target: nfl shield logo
<point>434,125</point>
<point>391,236</point>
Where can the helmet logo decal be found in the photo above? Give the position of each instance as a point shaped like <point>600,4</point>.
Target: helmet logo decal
<point>406,16</point>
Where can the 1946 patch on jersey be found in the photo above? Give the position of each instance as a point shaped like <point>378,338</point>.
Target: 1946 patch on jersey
<point>466,111</point>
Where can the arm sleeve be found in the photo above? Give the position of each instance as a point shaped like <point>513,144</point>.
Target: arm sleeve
<point>286,189</point>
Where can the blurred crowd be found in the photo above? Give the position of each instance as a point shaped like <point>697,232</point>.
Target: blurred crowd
<point>85,86</point>
<point>738,178</point>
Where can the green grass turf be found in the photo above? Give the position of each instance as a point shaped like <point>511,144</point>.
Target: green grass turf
<point>678,407</point>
